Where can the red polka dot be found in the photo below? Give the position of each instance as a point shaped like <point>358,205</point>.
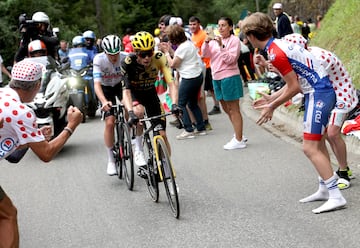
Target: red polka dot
<point>20,122</point>
<point>22,129</point>
<point>28,115</point>
<point>7,104</point>
<point>24,135</point>
<point>8,119</point>
<point>33,134</point>
<point>15,112</point>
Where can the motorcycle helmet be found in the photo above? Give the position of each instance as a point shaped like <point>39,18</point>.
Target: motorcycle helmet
<point>37,48</point>
<point>143,41</point>
<point>297,39</point>
<point>89,35</point>
<point>111,44</point>
<point>78,41</point>
<point>41,17</point>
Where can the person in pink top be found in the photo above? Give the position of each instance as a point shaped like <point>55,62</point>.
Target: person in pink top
<point>346,100</point>
<point>224,51</point>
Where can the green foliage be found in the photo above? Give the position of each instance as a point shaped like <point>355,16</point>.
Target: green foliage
<point>339,32</point>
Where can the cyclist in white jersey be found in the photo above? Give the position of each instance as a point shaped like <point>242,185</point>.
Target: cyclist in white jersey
<point>107,81</point>
<point>292,62</point>
<point>346,100</point>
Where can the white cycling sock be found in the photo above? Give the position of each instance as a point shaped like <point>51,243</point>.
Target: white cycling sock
<point>321,194</point>
<point>110,155</point>
<point>336,200</point>
<point>138,143</point>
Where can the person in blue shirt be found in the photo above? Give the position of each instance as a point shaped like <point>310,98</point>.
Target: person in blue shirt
<point>90,45</point>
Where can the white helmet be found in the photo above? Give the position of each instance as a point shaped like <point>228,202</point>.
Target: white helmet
<point>111,44</point>
<point>41,17</point>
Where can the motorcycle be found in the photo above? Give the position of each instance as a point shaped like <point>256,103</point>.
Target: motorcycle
<point>50,103</point>
<point>80,92</point>
<point>80,85</point>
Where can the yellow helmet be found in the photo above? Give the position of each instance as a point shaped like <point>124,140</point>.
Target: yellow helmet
<point>143,41</point>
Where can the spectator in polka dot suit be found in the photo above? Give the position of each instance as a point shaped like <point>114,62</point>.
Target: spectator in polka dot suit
<point>346,100</point>
<point>19,131</point>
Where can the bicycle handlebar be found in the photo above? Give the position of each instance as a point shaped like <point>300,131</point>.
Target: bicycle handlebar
<point>155,117</point>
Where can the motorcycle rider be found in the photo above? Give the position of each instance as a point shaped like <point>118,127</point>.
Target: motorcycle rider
<point>39,29</point>
<point>79,59</point>
<point>90,46</point>
<point>78,56</point>
<point>37,48</point>
<point>107,81</point>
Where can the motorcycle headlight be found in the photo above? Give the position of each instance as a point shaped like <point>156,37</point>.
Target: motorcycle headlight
<point>73,82</point>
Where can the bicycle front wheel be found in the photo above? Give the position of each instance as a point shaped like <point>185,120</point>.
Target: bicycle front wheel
<point>151,180</point>
<point>127,159</point>
<point>168,177</point>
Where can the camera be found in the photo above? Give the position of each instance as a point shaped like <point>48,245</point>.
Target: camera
<point>27,26</point>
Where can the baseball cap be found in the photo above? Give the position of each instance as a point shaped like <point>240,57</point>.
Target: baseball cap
<point>277,6</point>
<point>27,71</point>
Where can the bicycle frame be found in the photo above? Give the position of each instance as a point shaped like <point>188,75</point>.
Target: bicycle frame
<point>156,136</point>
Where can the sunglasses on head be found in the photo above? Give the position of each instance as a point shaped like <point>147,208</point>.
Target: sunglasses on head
<point>145,54</point>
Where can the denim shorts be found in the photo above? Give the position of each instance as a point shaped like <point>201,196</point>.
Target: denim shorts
<point>228,89</point>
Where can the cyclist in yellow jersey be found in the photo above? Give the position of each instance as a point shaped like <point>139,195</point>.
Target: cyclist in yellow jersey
<point>140,70</point>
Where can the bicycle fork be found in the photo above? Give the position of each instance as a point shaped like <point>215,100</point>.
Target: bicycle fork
<point>166,173</point>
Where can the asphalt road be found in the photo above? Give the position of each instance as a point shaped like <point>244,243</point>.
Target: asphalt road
<point>242,198</point>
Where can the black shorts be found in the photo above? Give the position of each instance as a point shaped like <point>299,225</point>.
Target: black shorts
<point>111,93</point>
<point>153,106</point>
<point>208,80</point>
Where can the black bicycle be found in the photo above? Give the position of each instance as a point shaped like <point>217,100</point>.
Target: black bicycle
<point>159,167</point>
<point>122,150</point>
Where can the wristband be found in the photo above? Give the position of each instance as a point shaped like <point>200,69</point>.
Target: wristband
<point>69,130</point>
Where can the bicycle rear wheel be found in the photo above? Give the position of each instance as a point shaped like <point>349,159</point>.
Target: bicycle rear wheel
<point>126,155</point>
<point>168,177</point>
<point>151,181</point>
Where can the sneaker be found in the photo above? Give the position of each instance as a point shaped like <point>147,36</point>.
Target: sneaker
<point>215,110</point>
<point>140,158</point>
<point>350,174</point>
<point>234,144</point>
<point>208,127</point>
<point>111,169</point>
<point>185,135</point>
<point>245,139</point>
<point>344,180</point>
<point>200,133</point>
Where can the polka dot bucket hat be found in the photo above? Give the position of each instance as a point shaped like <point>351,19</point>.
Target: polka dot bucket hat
<point>27,71</point>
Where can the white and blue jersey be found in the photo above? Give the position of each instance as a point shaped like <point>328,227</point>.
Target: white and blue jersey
<point>314,81</point>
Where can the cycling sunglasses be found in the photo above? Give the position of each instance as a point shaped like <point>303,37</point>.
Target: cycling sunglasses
<point>144,54</point>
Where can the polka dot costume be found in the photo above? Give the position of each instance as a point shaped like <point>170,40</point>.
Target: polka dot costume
<point>346,98</point>
<point>19,126</point>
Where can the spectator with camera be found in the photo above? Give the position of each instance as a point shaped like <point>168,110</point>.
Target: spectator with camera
<point>38,28</point>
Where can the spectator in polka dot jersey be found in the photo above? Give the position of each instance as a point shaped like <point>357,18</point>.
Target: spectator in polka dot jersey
<point>19,131</point>
<point>346,100</point>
